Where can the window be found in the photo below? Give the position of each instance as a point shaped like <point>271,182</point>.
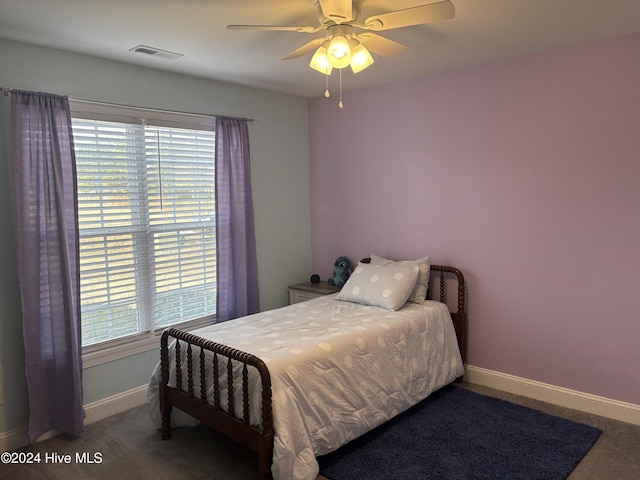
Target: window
<point>146,208</point>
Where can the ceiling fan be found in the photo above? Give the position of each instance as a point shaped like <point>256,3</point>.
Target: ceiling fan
<point>347,41</point>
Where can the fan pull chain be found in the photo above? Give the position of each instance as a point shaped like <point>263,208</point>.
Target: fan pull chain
<point>326,81</point>
<point>340,104</point>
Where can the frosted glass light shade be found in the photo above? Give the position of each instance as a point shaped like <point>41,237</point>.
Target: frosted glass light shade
<point>320,61</point>
<point>360,58</point>
<point>339,52</point>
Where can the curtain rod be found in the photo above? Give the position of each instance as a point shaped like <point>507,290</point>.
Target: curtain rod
<point>84,100</point>
<point>7,90</point>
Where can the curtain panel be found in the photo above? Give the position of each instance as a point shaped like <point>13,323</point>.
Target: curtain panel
<point>237,276</point>
<point>48,259</point>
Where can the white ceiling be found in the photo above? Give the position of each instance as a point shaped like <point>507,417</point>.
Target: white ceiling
<point>483,31</point>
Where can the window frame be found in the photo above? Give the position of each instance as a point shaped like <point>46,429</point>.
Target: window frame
<point>111,350</point>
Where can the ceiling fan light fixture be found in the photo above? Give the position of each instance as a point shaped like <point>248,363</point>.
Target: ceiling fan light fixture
<point>320,61</point>
<point>341,47</point>
<point>360,58</point>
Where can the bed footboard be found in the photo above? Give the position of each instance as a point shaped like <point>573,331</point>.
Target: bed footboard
<point>210,369</point>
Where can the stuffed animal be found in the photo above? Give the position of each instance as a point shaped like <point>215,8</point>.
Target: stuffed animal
<point>341,272</point>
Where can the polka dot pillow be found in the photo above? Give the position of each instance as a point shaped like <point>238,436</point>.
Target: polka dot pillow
<point>419,293</point>
<point>386,286</point>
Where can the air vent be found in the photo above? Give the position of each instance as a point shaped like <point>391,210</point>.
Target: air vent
<point>155,52</point>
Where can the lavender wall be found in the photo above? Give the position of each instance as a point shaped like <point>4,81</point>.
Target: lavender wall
<point>524,174</point>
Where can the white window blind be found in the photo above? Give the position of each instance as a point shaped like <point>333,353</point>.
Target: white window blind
<point>146,207</point>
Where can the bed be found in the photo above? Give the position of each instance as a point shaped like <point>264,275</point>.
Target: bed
<point>300,381</point>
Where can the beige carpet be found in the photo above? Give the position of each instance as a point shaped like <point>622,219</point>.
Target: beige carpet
<point>130,448</point>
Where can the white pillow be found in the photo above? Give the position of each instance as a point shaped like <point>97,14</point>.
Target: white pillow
<point>386,286</point>
<point>419,294</point>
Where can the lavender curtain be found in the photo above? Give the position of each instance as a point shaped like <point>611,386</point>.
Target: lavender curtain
<point>48,259</point>
<point>237,277</point>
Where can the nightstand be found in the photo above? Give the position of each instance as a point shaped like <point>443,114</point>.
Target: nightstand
<point>301,292</point>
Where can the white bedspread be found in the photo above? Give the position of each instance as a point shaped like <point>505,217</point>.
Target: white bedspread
<point>338,369</point>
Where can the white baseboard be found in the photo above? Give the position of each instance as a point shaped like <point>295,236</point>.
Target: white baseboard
<point>95,411</point>
<point>102,409</point>
<point>564,397</point>
<point>12,439</point>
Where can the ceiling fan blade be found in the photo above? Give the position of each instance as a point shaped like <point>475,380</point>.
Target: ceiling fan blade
<point>282,28</point>
<point>380,45</point>
<point>340,11</point>
<point>433,12</point>
<point>306,48</point>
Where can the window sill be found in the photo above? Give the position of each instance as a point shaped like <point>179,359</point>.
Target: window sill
<point>94,355</point>
<point>111,353</point>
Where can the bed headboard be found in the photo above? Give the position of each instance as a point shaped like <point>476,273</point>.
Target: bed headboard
<point>458,314</point>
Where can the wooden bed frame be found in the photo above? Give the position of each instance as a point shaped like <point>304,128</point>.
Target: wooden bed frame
<point>259,439</point>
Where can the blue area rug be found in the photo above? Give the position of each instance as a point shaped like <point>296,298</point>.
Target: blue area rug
<point>457,434</point>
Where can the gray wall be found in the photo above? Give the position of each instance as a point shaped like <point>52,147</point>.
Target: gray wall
<point>280,181</point>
